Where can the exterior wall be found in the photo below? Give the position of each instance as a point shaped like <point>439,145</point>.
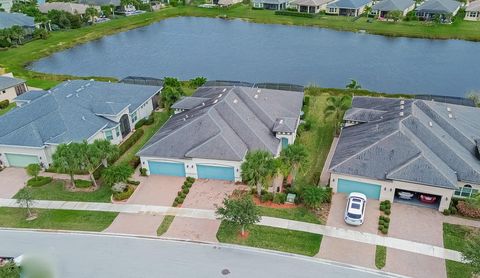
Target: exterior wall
<point>116,139</point>
<point>460,193</point>
<point>332,10</point>
<point>258,5</point>
<point>388,188</point>
<point>317,9</point>
<point>39,152</point>
<point>472,15</point>
<point>8,94</point>
<point>117,117</point>
<point>190,165</point>
<point>143,111</point>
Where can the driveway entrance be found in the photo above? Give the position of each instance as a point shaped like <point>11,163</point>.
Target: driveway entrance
<point>11,181</point>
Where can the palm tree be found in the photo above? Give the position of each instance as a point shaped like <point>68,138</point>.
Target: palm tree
<point>66,159</point>
<point>367,10</point>
<point>107,150</point>
<point>90,159</point>
<point>292,157</point>
<point>336,106</point>
<point>353,85</point>
<point>91,12</point>
<point>258,168</point>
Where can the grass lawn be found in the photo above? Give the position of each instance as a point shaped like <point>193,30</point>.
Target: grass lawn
<point>57,219</point>
<point>271,238</point>
<point>298,214</point>
<point>9,107</point>
<point>163,228</point>
<point>454,237</point>
<point>160,119</point>
<point>56,191</point>
<point>380,256</point>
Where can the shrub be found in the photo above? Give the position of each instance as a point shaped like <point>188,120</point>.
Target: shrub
<point>384,230</point>
<point>132,182</point>
<point>266,196</point>
<point>386,225</point>
<point>177,199</point>
<point>119,187</point>
<point>313,196</point>
<point>143,172</point>
<point>446,212</point>
<point>186,190</point>
<point>116,173</point>
<point>182,194</point>
<point>180,200</point>
<point>120,196</point>
<point>453,210</point>
<point>125,146</point>
<point>190,179</point>
<point>279,198</point>
<point>381,222</point>
<point>4,104</point>
<point>39,181</point>
<point>306,100</point>
<point>386,219</point>
<point>380,227</point>
<point>308,125</point>
<point>98,172</point>
<point>468,210</point>
<point>382,207</point>
<point>134,162</point>
<point>174,203</point>
<point>150,120</point>
<point>387,211</point>
<point>292,13</point>
<point>140,123</point>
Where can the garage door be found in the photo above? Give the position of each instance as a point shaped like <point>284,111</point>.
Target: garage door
<point>215,172</point>
<point>21,160</point>
<point>372,191</point>
<point>167,168</point>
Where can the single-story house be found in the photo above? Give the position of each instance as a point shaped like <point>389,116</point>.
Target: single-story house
<point>445,9</point>
<point>100,3</point>
<point>347,7</point>
<point>382,8</point>
<point>472,12</point>
<point>310,6</point>
<point>73,111</point>
<point>8,20</point>
<point>226,3</point>
<point>414,151</point>
<point>11,87</point>
<point>6,5</point>
<point>270,4</point>
<point>68,7</point>
<point>212,135</point>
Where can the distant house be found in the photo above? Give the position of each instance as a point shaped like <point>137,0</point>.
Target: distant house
<point>8,20</point>
<point>6,5</point>
<point>444,9</point>
<point>115,3</point>
<point>72,8</point>
<point>226,3</point>
<point>11,87</point>
<point>347,7</point>
<point>472,12</point>
<point>383,7</point>
<point>270,4</point>
<point>310,6</point>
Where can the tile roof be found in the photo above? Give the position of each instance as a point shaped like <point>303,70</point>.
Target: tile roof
<point>8,20</point>
<point>432,143</point>
<point>393,5</point>
<point>439,6</point>
<point>348,4</point>
<point>69,112</point>
<point>9,82</point>
<point>232,121</point>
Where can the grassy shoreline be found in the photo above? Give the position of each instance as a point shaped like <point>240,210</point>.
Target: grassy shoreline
<point>17,59</point>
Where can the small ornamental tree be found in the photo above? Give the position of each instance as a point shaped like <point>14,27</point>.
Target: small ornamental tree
<point>33,170</point>
<point>292,157</point>
<point>9,270</point>
<point>25,200</point>
<point>471,254</point>
<point>66,159</point>
<point>116,173</point>
<point>259,166</point>
<point>241,211</point>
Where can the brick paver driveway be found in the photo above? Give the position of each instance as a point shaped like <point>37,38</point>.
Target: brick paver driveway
<point>421,225</point>
<point>347,251</point>
<point>153,190</point>
<point>204,194</point>
<point>12,180</point>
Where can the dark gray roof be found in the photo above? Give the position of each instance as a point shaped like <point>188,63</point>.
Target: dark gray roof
<point>69,112</point>
<point>285,125</point>
<point>439,6</point>
<point>9,82</point>
<point>232,121</point>
<point>100,2</point>
<point>427,144</point>
<point>8,20</point>
<point>30,96</point>
<point>393,5</point>
<point>271,1</point>
<point>189,102</point>
<point>348,4</point>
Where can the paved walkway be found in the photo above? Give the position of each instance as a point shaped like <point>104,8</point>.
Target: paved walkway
<point>11,181</point>
<point>462,221</point>
<point>400,244</point>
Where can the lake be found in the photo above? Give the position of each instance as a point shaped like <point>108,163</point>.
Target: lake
<point>187,47</point>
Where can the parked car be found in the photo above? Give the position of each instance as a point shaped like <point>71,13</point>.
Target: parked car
<point>428,199</point>
<point>355,210</point>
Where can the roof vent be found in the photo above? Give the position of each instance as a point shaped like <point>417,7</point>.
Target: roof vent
<point>450,115</point>
<point>186,116</point>
<point>184,119</point>
<point>69,95</point>
<point>430,124</point>
<point>255,96</point>
<point>83,118</point>
<point>281,122</point>
<point>258,91</point>
<point>203,103</point>
<point>402,107</point>
<point>401,114</point>
<point>88,84</point>
<point>235,100</point>
<point>449,109</point>
<point>220,95</point>
<point>215,101</point>
<point>402,102</point>
<point>224,90</point>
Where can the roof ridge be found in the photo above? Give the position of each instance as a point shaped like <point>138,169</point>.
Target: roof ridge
<point>255,103</point>
<point>221,133</point>
<point>411,160</point>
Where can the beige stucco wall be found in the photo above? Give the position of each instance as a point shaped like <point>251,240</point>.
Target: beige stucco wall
<point>8,94</point>
<point>388,188</point>
<point>39,152</point>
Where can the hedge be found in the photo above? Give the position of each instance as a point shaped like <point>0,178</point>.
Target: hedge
<point>131,141</point>
<point>120,196</point>
<point>39,181</point>
<point>4,104</point>
<point>291,13</point>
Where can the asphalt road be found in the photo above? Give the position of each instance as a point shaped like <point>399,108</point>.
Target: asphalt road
<point>91,255</point>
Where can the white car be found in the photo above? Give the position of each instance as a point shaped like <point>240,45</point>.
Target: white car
<point>355,210</point>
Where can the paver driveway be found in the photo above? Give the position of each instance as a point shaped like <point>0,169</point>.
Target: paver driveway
<point>347,251</point>
<point>421,225</point>
<point>11,180</point>
<point>153,190</point>
<point>204,194</point>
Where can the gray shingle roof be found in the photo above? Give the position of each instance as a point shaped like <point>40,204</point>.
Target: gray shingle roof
<point>8,20</point>
<point>425,145</point>
<point>30,96</point>
<point>69,112</point>
<point>439,6</point>
<point>473,6</point>
<point>9,82</point>
<point>271,1</point>
<point>348,4</point>
<point>64,6</point>
<point>189,102</point>
<point>310,2</point>
<point>232,121</point>
<point>100,2</point>
<point>285,125</point>
<point>393,5</point>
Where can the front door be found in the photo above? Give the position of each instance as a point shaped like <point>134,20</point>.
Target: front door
<point>125,125</point>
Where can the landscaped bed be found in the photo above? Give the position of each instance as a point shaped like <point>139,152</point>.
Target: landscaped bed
<point>163,228</point>
<point>454,237</point>
<point>57,219</point>
<point>271,238</point>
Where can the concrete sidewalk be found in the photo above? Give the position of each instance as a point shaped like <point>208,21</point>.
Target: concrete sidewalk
<point>368,238</point>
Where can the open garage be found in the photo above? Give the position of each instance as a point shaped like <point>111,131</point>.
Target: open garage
<point>417,198</point>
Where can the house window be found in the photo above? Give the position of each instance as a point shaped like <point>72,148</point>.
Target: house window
<point>20,89</point>
<point>108,135</point>
<point>332,10</point>
<point>134,116</point>
<point>117,130</point>
<point>465,191</point>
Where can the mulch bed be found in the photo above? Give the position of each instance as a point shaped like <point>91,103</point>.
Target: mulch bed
<point>271,204</point>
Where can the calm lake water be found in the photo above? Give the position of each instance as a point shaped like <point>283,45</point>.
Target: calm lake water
<point>236,50</point>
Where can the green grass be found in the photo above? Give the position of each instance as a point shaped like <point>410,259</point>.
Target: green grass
<point>56,191</point>
<point>271,238</point>
<point>83,183</point>
<point>160,119</point>
<point>454,237</point>
<point>298,214</point>
<point>9,107</point>
<point>380,256</point>
<point>163,228</point>
<point>57,219</point>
